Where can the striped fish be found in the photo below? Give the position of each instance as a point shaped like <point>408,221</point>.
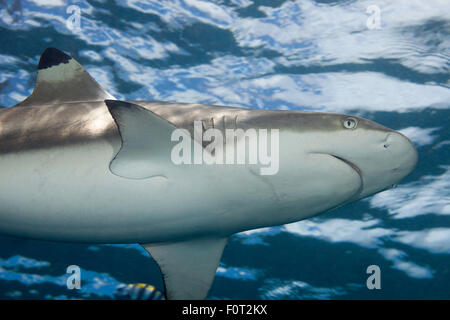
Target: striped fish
<point>137,291</point>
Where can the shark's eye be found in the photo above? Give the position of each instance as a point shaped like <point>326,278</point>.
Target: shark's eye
<point>350,123</point>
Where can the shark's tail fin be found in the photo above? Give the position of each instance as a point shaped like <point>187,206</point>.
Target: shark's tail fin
<point>62,79</point>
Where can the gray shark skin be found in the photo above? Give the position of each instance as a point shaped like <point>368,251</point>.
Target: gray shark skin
<point>77,165</point>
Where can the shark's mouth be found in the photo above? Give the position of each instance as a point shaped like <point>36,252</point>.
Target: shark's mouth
<point>358,171</point>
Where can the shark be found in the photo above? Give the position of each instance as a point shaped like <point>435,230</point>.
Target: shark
<point>78,165</point>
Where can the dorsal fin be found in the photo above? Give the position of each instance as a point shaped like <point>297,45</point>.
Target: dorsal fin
<point>62,79</point>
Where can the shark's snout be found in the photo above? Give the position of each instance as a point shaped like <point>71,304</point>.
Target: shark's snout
<point>405,154</point>
<point>392,159</point>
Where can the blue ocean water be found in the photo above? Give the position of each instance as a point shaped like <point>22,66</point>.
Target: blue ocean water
<point>385,60</point>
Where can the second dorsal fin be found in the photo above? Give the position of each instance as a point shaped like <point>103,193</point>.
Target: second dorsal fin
<point>62,79</point>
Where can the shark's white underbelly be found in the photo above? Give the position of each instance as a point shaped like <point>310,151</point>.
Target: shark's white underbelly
<point>69,194</point>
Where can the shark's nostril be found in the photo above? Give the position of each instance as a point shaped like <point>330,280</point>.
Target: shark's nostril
<point>386,143</point>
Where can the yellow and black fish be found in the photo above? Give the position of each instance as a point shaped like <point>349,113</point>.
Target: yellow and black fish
<point>137,291</point>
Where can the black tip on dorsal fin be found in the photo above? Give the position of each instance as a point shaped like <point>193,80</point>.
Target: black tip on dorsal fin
<point>52,57</point>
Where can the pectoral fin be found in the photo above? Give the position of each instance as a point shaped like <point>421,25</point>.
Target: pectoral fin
<point>146,141</point>
<point>188,267</point>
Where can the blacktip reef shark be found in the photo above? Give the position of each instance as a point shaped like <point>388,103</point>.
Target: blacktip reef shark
<point>77,165</point>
